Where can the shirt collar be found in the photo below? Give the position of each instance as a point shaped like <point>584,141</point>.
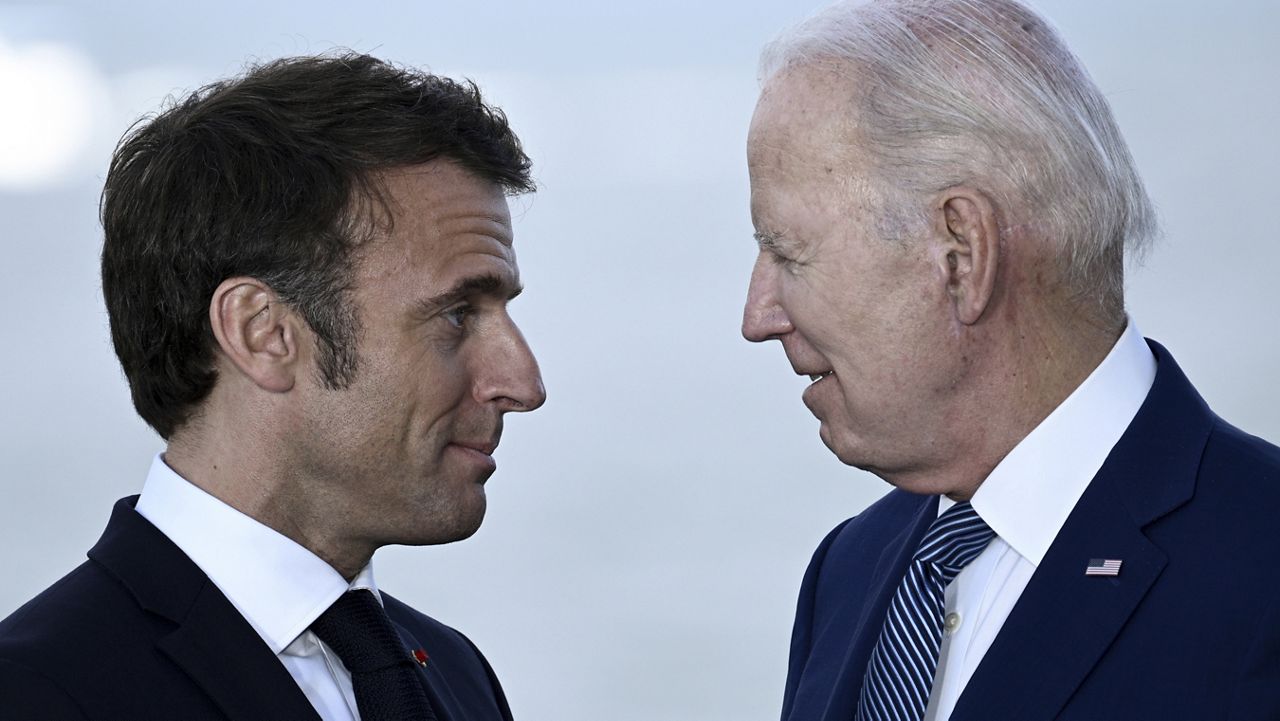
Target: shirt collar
<point>277,585</point>
<point>1027,497</point>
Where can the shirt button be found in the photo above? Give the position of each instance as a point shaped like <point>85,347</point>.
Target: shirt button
<point>951,622</point>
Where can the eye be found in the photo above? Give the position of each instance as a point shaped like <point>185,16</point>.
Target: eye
<point>787,262</point>
<point>457,315</point>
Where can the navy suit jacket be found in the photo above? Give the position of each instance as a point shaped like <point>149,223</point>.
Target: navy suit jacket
<point>139,632</point>
<point>1190,629</point>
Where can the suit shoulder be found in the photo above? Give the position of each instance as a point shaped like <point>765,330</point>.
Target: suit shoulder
<point>877,525</point>
<point>855,545</point>
<point>1239,479</point>
<point>461,666</point>
<point>1240,471</point>
<point>42,642</point>
<point>30,696</point>
<point>422,626</point>
<point>1232,447</point>
<point>439,640</point>
<point>85,606</point>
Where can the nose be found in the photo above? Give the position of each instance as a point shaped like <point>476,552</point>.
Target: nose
<point>763,318</point>
<point>510,376</point>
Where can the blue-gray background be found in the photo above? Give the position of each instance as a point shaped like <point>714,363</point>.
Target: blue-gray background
<point>648,528</point>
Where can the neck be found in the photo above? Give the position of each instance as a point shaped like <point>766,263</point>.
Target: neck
<point>1025,371</point>
<point>234,463</point>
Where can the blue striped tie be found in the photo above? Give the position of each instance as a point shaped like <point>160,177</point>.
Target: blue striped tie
<point>900,673</point>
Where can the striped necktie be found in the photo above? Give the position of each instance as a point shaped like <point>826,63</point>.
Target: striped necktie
<point>900,673</point>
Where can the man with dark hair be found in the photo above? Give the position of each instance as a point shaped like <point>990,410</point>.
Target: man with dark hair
<point>942,202</point>
<point>307,271</point>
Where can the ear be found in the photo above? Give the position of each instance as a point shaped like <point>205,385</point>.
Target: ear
<point>257,332</point>
<point>971,250</point>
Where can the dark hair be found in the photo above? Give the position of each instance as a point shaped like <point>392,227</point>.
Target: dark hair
<point>272,175</point>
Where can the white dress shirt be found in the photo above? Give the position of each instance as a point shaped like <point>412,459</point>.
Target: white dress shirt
<point>277,585</point>
<point>1026,500</point>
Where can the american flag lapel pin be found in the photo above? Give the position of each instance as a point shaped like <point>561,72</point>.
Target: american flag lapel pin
<point>1103,567</point>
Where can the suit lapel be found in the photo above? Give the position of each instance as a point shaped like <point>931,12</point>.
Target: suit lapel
<point>222,653</point>
<point>442,699</point>
<point>1064,621</point>
<point>211,641</point>
<point>881,585</point>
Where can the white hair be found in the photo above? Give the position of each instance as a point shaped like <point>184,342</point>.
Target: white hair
<point>985,92</point>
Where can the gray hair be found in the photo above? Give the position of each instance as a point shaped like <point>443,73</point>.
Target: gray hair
<point>985,92</point>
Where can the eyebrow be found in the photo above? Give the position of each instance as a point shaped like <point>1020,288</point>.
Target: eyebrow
<point>771,242</point>
<point>469,287</point>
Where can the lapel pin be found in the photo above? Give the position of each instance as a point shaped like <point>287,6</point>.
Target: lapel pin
<point>420,656</point>
<point>1103,567</point>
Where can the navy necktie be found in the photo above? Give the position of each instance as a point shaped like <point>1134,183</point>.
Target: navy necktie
<point>900,673</point>
<point>383,672</point>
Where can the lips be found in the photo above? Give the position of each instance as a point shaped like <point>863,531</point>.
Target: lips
<point>815,374</point>
<point>811,392</point>
<point>485,447</point>
<point>479,455</point>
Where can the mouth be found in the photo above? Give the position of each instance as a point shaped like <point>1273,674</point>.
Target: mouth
<point>816,377</point>
<point>478,454</point>
<point>482,447</point>
<point>811,392</point>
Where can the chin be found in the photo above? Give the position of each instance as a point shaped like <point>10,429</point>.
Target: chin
<point>844,451</point>
<point>468,527</point>
<point>862,459</point>
<point>459,525</point>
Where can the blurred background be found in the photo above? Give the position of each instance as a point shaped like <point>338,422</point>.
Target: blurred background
<point>648,528</point>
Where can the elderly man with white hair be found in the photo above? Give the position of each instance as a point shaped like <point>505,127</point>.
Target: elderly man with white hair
<point>943,203</point>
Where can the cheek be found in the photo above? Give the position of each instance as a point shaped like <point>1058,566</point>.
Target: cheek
<point>441,396</point>
<point>885,360</point>
<point>812,308</point>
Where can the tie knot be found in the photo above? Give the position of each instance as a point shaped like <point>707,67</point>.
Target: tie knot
<point>954,539</point>
<point>358,629</point>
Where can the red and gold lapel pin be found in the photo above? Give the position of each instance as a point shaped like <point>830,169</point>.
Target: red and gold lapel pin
<point>420,656</point>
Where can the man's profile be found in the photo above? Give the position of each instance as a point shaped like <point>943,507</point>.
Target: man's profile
<point>307,270</point>
<point>942,201</point>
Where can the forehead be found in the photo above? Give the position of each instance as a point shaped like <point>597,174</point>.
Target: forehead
<point>804,120</point>
<point>439,213</point>
<point>439,194</point>
<point>809,173</point>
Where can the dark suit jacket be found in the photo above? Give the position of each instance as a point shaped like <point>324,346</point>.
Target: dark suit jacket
<point>1190,629</point>
<point>139,632</point>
